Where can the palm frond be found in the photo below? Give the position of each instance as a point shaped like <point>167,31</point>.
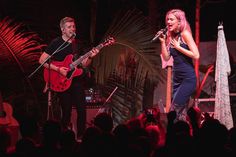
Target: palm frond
<point>19,54</point>
<point>128,63</point>
<point>132,30</point>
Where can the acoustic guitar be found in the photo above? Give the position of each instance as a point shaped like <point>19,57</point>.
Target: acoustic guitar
<point>6,112</point>
<point>60,83</point>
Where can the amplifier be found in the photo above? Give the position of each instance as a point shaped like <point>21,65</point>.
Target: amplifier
<point>91,112</point>
<point>93,95</point>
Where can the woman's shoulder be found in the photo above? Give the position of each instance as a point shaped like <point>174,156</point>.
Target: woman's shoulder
<point>185,35</point>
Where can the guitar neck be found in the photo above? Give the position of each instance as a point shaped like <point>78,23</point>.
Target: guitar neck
<point>80,59</point>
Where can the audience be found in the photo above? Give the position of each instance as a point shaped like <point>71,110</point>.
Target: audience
<point>5,142</point>
<point>141,136</point>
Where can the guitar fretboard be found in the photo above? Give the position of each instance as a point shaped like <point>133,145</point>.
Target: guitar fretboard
<point>80,59</point>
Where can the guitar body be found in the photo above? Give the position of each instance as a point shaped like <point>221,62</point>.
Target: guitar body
<point>58,82</point>
<point>8,122</point>
<point>6,118</point>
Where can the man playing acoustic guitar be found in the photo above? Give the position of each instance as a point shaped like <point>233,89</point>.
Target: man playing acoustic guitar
<point>70,88</point>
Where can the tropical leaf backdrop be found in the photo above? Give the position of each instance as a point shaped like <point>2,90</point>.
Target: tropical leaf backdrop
<point>19,53</point>
<point>132,64</point>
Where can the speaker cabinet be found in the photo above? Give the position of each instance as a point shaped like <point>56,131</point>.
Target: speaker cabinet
<point>91,112</point>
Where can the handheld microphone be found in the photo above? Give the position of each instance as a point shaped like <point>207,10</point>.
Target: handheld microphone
<point>160,32</point>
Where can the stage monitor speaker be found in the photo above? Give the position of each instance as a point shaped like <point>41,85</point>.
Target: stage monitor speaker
<point>91,112</point>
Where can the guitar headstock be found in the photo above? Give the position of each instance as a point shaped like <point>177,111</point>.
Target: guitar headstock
<point>108,41</point>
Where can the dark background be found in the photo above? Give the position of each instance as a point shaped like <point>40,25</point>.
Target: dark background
<point>42,16</point>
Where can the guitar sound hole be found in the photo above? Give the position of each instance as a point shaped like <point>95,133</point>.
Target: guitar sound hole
<point>2,114</point>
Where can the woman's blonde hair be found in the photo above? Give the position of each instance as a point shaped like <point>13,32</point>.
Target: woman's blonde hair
<point>183,23</point>
<point>180,15</point>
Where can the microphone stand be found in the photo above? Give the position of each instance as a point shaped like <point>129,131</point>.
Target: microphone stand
<point>103,105</point>
<point>48,85</point>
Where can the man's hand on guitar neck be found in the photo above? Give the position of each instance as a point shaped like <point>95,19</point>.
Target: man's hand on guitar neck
<point>87,61</point>
<point>94,52</point>
<point>64,70</point>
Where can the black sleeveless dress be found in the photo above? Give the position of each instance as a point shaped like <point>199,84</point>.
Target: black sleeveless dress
<point>184,77</point>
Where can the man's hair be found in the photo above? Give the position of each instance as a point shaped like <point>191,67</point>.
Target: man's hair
<point>66,19</point>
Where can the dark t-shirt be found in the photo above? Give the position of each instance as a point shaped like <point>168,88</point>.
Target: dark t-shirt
<point>69,49</point>
<point>63,49</point>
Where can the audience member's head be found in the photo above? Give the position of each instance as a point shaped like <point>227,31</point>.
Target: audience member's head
<point>104,121</point>
<point>67,139</point>
<point>51,132</point>
<point>29,128</point>
<point>5,142</point>
<point>25,147</point>
<point>154,135</point>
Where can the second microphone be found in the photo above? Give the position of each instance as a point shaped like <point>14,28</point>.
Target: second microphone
<point>160,32</point>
